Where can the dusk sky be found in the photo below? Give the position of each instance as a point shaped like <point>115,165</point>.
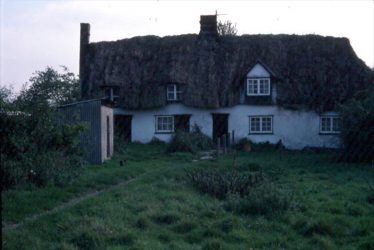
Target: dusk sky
<point>36,34</point>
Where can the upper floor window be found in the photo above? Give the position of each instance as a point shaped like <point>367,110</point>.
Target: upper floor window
<point>258,86</point>
<point>260,124</point>
<point>330,124</point>
<point>173,92</point>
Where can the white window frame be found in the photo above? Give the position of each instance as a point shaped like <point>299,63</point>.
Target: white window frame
<point>261,119</point>
<point>157,118</point>
<point>256,82</point>
<point>331,121</point>
<point>175,92</point>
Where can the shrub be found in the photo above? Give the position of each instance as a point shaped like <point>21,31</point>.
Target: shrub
<point>192,142</point>
<point>357,130</point>
<point>265,199</point>
<point>156,141</point>
<point>38,151</point>
<point>34,148</point>
<point>220,184</point>
<point>247,145</point>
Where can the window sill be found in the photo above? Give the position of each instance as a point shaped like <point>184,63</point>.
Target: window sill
<point>329,133</point>
<point>258,95</point>
<point>261,133</point>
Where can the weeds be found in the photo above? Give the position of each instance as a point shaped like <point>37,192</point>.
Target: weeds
<point>192,142</point>
<point>220,184</point>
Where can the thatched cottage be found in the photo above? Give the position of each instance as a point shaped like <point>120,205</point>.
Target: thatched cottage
<point>262,87</point>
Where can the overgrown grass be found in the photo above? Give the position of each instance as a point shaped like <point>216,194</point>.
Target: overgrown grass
<point>159,209</point>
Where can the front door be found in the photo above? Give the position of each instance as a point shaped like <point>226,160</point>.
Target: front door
<point>220,125</point>
<point>123,126</point>
<point>182,122</point>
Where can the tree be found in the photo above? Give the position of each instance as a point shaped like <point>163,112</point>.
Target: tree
<point>226,28</point>
<point>50,87</point>
<point>358,128</point>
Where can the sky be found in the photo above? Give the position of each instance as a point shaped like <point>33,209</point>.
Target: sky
<point>35,34</point>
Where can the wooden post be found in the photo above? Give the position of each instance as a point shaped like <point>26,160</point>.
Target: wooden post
<point>224,144</point>
<point>228,141</point>
<point>233,137</point>
<point>218,145</point>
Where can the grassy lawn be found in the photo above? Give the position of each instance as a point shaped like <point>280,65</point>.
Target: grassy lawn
<point>157,208</point>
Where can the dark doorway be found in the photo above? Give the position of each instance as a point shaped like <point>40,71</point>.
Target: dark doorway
<point>182,122</point>
<point>220,125</point>
<point>122,128</point>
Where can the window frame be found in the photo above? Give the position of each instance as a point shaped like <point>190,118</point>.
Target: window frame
<point>331,119</point>
<point>163,131</point>
<point>261,131</point>
<point>250,80</point>
<point>176,92</point>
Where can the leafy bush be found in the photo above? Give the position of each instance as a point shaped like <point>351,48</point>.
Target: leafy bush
<point>220,184</point>
<point>42,153</point>
<point>357,128</point>
<point>245,144</point>
<point>192,142</point>
<point>34,148</point>
<point>265,199</point>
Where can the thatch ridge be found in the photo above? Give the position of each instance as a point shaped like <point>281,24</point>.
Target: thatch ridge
<point>313,72</point>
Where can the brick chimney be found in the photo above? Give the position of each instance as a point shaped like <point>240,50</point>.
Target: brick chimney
<point>84,42</point>
<point>208,26</point>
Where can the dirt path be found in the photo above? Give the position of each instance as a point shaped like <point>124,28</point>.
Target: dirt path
<point>70,203</point>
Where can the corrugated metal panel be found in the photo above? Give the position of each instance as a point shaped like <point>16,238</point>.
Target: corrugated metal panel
<point>88,113</point>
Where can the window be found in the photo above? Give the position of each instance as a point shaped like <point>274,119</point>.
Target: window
<point>173,92</point>
<point>164,124</point>
<point>258,86</point>
<point>260,124</point>
<point>330,124</point>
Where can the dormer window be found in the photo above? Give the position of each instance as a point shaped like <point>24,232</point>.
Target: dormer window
<point>258,86</point>
<point>173,92</point>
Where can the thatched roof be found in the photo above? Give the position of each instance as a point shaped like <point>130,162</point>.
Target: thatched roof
<point>313,72</point>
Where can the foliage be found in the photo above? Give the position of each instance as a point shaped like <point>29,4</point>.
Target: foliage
<point>265,199</point>
<point>192,142</point>
<point>124,216</point>
<point>220,184</point>
<point>246,144</point>
<point>357,128</point>
<point>226,28</point>
<point>34,147</point>
<point>49,87</point>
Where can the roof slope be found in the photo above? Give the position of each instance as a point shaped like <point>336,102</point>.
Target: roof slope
<point>313,72</point>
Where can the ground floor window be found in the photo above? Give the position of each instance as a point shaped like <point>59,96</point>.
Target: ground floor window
<point>330,124</point>
<point>172,123</point>
<point>164,124</point>
<point>260,124</point>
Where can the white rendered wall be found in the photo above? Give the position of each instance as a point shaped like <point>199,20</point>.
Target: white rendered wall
<point>296,129</point>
